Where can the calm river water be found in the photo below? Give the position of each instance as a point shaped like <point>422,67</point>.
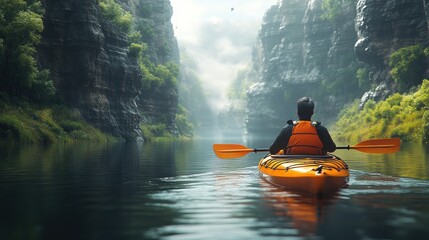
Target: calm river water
<point>180,190</point>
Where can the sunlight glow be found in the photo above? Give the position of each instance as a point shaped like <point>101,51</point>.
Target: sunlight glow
<point>219,36</point>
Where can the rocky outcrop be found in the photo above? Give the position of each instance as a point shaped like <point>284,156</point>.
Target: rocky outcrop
<point>296,50</point>
<point>88,61</point>
<point>300,53</point>
<point>382,28</point>
<point>159,104</point>
<point>386,26</point>
<point>155,16</point>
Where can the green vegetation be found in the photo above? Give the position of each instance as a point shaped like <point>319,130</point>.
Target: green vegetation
<point>20,27</point>
<point>155,76</point>
<point>362,75</point>
<point>194,111</point>
<point>405,116</point>
<point>184,126</point>
<point>332,8</point>
<point>157,131</point>
<point>408,65</point>
<point>114,12</point>
<point>22,82</point>
<point>159,76</point>
<point>136,49</point>
<point>162,78</point>
<point>160,131</point>
<point>54,124</point>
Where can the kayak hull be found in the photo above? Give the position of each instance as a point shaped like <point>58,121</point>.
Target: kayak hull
<point>317,175</point>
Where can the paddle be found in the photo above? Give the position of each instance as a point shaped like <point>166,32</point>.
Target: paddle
<point>385,145</point>
<point>234,150</point>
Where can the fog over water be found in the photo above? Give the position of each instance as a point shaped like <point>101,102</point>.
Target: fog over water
<point>219,36</point>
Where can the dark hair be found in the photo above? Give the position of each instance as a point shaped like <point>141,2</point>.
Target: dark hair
<point>305,107</point>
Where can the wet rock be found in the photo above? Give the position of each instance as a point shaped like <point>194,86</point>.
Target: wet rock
<point>88,60</point>
<point>381,92</point>
<point>383,27</point>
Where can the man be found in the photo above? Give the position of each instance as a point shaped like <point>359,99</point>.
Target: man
<point>303,137</point>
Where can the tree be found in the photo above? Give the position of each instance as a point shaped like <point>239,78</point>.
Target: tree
<point>20,28</point>
<point>408,66</point>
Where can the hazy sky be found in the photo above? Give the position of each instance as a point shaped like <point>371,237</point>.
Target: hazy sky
<point>219,36</point>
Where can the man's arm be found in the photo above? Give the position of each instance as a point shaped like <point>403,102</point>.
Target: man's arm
<point>325,137</point>
<point>281,140</point>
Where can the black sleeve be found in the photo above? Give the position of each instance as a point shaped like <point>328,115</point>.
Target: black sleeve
<point>325,137</point>
<point>282,139</point>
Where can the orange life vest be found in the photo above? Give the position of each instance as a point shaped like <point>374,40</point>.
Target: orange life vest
<point>305,140</point>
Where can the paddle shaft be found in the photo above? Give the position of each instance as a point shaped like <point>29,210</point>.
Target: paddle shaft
<point>255,150</point>
<point>381,146</point>
<point>348,147</point>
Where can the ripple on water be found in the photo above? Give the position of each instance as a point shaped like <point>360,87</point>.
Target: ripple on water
<point>369,183</point>
<point>216,206</point>
<point>240,205</point>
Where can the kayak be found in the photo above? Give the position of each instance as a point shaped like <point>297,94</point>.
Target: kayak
<point>314,174</point>
<point>307,173</point>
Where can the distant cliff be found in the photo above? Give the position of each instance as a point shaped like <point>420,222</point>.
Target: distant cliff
<point>302,51</point>
<point>88,57</point>
<point>158,104</point>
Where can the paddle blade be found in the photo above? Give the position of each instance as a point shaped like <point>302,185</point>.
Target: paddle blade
<point>230,150</point>
<point>384,145</point>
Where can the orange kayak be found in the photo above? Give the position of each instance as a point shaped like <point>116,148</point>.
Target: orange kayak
<point>318,175</point>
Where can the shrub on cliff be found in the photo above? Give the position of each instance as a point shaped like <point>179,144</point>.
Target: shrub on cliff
<point>332,8</point>
<point>405,116</point>
<point>136,50</point>
<point>115,13</point>
<point>408,66</point>
<point>158,76</point>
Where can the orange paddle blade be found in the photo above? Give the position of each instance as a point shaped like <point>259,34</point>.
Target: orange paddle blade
<point>230,150</point>
<point>383,145</point>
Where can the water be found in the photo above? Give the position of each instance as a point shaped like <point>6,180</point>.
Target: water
<point>180,190</point>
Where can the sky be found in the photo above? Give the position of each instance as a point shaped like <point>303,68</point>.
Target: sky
<point>219,36</point>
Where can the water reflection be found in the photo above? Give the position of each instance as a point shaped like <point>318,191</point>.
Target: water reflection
<point>210,205</point>
<point>180,190</point>
<point>412,161</point>
<point>304,212</point>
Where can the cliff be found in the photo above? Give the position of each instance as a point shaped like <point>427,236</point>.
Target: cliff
<point>89,61</point>
<point>302,52</point>
<point>382,28</point>
<point>87,57</point>
<point>159,104</point>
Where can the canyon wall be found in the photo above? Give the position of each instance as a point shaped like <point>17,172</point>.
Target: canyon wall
<point>302,52</point>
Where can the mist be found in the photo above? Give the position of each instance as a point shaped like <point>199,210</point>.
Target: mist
<point>219,36</point>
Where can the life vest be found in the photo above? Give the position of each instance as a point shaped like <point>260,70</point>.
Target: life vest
<point>304,140</point>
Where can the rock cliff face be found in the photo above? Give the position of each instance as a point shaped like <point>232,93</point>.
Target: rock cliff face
<point>159,105</point>
<point>88,59</point>
<point>300,53</point>
<point>296,50</point>
<point>384,27</point>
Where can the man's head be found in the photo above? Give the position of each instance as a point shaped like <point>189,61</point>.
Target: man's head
<point>305,107</point>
